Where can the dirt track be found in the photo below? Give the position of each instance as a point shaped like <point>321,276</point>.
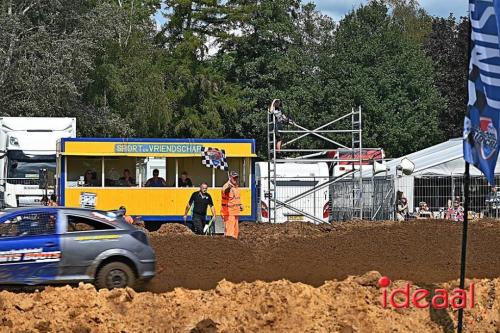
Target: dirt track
<point>424,251</point>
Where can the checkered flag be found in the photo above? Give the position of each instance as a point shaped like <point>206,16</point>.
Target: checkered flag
<point>214,158</point>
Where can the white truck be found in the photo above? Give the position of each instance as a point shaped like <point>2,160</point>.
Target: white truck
<point>302,181</point>
<point>28,144</point>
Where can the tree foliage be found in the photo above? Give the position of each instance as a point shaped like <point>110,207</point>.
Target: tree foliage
<point>447,46</point>
<point>215,65</point>
<point>390,77</point>
<point>45,57</point>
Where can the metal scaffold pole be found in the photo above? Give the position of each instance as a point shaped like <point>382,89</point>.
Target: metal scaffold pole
<point>293,153</point>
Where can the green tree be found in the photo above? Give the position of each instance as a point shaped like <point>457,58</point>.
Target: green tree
<point>45,56</point>
<point>127,84</point>
<point>390,77</point>
<point>447,46</point>
<point>412,19</point>
<point>199,94</point>
<point>128,79</point>
<point>257,56</point>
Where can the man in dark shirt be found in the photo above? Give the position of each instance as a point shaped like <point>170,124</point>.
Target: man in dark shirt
<point>200,201</point>
<point>156,180</point>
<point>127,179</point>
<point>184,180</point>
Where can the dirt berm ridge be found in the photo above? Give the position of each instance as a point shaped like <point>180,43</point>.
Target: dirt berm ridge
<point>353,305</point>
<point>423,251</point>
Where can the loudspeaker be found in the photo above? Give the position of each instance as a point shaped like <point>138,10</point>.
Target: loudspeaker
<point>379,167</point>
<point>406,166</point>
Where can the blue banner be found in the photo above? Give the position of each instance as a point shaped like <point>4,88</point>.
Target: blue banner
<point>482,122</point>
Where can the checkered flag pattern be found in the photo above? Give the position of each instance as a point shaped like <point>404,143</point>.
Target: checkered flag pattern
<point>214,158</point>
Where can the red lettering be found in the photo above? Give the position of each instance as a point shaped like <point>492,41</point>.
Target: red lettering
<point>405,292</point>
<point>417,298</point>
<point>460,295</point>
<point>441,294</point>
<point>384,298</point>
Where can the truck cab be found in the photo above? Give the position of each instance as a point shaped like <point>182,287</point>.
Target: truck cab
<point>27,145</point>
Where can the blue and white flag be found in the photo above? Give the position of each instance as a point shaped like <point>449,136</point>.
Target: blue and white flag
<point>482,122</point>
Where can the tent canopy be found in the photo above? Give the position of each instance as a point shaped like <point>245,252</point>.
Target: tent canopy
<point>444,159</point>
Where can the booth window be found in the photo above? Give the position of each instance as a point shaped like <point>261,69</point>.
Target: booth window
<point>120,171</point>
<point>239,164</point>
<point>196,171</point>
<point>84,171</point>
<point>153,163</point>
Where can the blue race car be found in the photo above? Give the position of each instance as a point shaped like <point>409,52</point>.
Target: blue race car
<point>47,245</point>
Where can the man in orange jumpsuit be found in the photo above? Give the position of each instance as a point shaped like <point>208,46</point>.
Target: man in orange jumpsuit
<point>231,205</point>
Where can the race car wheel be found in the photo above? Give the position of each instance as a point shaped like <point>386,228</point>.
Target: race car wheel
<point>115,275</point>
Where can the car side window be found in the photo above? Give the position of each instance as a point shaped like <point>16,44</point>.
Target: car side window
<point>79,223</point>
<point>29,225</point>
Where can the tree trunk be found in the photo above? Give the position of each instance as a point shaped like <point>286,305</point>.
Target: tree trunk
<point>8,58</point>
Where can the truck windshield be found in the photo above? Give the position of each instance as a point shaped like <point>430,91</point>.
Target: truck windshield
<point>22,166</point>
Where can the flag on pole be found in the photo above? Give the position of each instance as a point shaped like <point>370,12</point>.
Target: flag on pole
<point>214,158</point>
<point>482,122</point>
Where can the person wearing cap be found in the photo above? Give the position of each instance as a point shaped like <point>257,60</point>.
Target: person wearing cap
<point>231,205</point>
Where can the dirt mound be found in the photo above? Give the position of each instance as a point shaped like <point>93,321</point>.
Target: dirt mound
<point>280,306</point>
<point>172,229</point>
<point>426,251</point>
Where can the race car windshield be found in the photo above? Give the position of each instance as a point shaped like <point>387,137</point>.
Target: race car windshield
<point>22,166</point>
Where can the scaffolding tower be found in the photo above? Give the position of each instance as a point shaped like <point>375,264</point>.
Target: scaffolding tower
<point>293,154</point>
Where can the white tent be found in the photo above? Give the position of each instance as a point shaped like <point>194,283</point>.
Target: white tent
<point>444,159</point>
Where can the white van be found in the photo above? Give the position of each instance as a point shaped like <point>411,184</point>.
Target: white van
<point>293,179</point>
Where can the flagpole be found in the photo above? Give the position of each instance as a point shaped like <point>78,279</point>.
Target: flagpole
<point>463,256</point>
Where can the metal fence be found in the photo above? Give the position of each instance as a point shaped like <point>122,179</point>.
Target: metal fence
<point>323,199</point>
<point>376,199</point>
<point>443,195</point>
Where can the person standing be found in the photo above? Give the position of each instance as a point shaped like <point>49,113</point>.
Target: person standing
<point>402,210</point>
<point>200,201</point>
<point>231,205</point>
<point>276,109</point>
<point>401,206</point>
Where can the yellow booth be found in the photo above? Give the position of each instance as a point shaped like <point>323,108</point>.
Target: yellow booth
<point>106,173</point>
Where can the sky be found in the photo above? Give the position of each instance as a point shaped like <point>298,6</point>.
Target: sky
<point>338,8</point>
